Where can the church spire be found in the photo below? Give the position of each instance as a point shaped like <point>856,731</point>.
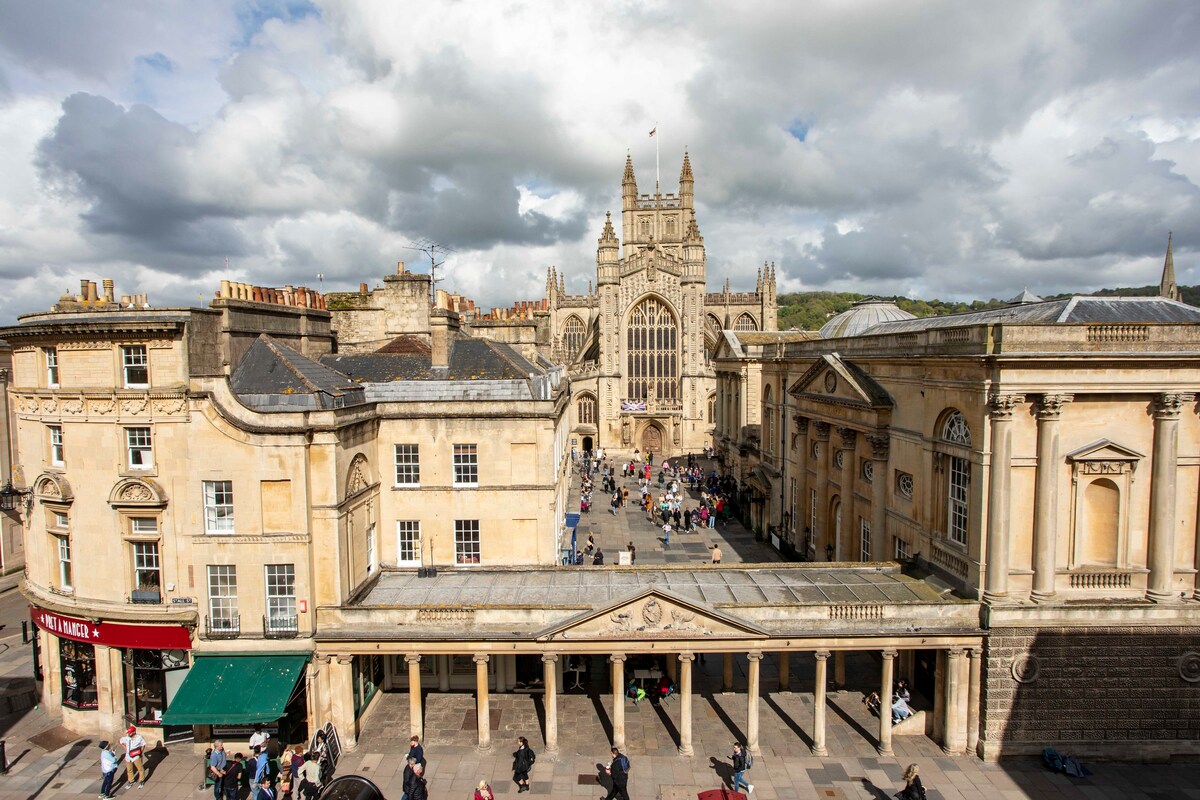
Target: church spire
<point>1167,286</point>
<point>686,182</point>
<point>629,190</point>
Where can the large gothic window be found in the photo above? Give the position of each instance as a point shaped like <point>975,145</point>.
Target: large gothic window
<point>586,407</point>
<point>652,341</point>
<point>572,338</point>
<point>745,323</point>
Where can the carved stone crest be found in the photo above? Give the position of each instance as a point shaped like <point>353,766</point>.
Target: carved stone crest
<point>72,406</point>
<point>102,406</point>
<point>49,406</point>
<point>134,405</point>
<point>652,613</point>
<point>168,406</point>
<point>136,493</point>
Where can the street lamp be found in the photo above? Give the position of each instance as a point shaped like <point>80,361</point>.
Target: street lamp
<point>10,497</point>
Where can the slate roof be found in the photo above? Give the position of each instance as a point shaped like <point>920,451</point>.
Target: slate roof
<point>771,337</point>
<point>273,375</point>
<point>596,588</point>
<point>470,359</point>
<point>1078,309</point>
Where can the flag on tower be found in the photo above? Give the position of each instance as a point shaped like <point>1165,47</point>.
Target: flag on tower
<point>653,130</point>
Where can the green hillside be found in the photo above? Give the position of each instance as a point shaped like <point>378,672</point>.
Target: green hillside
<point>810,310</point>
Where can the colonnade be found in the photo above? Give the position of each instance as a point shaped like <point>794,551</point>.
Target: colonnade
<point>957,726</point>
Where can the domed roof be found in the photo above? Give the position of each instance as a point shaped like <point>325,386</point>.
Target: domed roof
<point>861,316</point>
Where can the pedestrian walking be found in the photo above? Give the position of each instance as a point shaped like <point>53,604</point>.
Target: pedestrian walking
<point>135,759</point>
<point>259,737</point>
<point>419,790</point>
<point>231,784</point>
<point>618,770</point>
<point>217,762</point>
<point>913,790</point>
<point>265,790</point>
<point>598,559</point>
<point>415,750</point>
<point>484,792</point>
<point>523,759</point>
<point>666,534</point>
<point>409,775</point>
<point>310,777</point>
<point>716,554</point>
<point>632,554</point>
<point>742,761</point>
<point>108,770</point>
<point>262,771</point>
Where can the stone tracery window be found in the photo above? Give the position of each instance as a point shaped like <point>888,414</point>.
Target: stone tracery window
<point>745,323</point>
<point>652,347</point>
<point>586,409</point>
<point>572,337</point>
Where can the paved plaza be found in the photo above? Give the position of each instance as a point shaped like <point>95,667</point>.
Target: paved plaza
<point>48,762</point>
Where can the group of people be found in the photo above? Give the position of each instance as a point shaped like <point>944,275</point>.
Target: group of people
<point>134,758</point>
<point>271,771</point>
<point>901,697</point>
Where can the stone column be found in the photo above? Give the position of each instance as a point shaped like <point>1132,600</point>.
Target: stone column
<point>1000,407</point>
<point>819,703</point>
<point>953,742</point>
<point>618,696</point>
<point>483,717</point>
<point>880,542</point>
<point>415,718</point>
<point>752,702</point>
<point>974,674</point>
<point>1045,496</point>
<point>443,673</point>
<point>727,673</point>
<point>800,519</point>
<point>886,679</point>
<point>672,672</point>
<point>685,703</point>
<point>839,669</point>
<point>1163,505</point>
<point>550,686</point>
<point>785,671</point>
<point>340,671</point>
<point>845,552</point>
<point>820,436</point>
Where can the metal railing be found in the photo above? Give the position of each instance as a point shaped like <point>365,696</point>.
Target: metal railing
<point>280,627</point>
<point>223,627</point>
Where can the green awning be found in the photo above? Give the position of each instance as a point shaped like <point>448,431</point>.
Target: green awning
<point>235,690</point>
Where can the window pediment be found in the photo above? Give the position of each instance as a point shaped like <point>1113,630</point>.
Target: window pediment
<point>54,488</point>
<point>834,380</point>
<point>137,493</point>
<point>1104,457</point>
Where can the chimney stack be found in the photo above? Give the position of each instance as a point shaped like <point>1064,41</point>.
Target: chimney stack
<point>444,329</point>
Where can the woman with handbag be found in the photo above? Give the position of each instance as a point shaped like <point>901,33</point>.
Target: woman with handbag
<point>523,760</point>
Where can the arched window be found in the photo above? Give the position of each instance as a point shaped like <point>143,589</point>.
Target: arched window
<point>712,409</point>
<point>958,477</point>
<point>745,323</point>
<point>768,417</point>
<point>585,409</point>
<point>652,342</point>
<point>572,337</point>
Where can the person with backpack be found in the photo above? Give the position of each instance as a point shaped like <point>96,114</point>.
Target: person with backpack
<point>742,761</point>
<point>618,770</point>
<point>523,760</point>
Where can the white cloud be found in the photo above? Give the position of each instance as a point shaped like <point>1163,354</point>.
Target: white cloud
<point>929,148</point>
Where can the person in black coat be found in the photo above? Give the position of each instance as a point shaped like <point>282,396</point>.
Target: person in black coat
<point>418,790</point>
<point>523,759</point>
<point>410,775</point>
<point>618,770</point>
<point>913,790</point>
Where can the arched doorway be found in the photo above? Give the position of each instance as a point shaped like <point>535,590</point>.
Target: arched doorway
<point>652,439</point>
<point>587,444</point>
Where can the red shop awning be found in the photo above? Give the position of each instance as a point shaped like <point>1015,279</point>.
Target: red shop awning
<point>113,634</point>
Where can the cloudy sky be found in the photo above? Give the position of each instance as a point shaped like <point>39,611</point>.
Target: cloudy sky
<point>935,149</point>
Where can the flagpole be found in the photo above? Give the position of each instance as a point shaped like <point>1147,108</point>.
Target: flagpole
<point>656,175</point>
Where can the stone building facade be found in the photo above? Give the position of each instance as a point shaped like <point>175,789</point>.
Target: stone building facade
<point>197,482</point>
<point>1042,458</point>
<point>636,345</point>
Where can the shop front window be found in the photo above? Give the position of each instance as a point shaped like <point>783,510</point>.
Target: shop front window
<point>146,682</point>
<point>78,663</point>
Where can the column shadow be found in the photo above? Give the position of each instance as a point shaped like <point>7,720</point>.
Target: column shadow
<point>539,708</point>
<point>787,720</point>
<point>733,727</point>
<point>667,722</point>
<point>602,715</point>
<point>873,738</point>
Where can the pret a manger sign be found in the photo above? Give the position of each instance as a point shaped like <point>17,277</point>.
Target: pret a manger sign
<point>113,634</point>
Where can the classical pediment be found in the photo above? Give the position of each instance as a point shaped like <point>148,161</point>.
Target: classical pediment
<point>1105,455</point>
<point>834,380</point>
<point>652,614</point>
<point>137,493</point>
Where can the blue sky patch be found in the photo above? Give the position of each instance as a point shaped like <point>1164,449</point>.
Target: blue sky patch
<point>798,129</point>
<point>253,14</point>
